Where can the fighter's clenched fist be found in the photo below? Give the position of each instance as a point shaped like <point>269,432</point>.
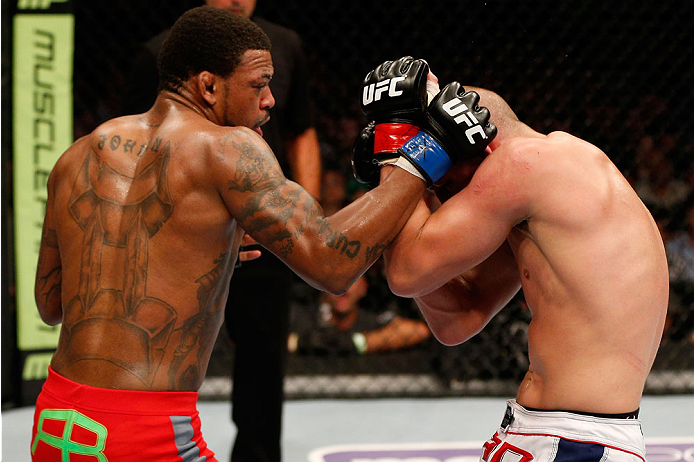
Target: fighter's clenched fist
<point>394,99</point>
<point>456,128</point>
<point>396,91</point>
<point>425,141</point>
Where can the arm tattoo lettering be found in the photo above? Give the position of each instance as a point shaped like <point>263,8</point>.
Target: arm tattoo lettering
<point>349,248</point>
<point>375,251</point>
<point>338,241</point>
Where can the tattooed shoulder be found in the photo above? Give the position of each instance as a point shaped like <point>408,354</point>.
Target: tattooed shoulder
<point>256,168</point>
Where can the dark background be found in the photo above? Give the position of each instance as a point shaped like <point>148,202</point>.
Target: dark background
<point>613,73</point>
<point>584,65</point>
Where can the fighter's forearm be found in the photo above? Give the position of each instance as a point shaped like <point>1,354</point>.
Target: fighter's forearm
<point>461,307</point>
<point>330,253</point>
<point>404,256</point>
<point>450,312</point>
<point>344,245</point>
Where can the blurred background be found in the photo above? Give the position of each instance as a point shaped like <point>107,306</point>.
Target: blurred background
<point>617,74</point>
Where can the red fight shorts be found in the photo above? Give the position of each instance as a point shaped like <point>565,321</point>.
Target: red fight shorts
<point>558,436</point>
<point>78,423</point>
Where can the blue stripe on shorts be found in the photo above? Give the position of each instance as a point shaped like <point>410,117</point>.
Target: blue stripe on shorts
<point>574,451</point>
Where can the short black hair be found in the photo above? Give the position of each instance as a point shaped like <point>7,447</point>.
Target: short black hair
<point>206,39</point>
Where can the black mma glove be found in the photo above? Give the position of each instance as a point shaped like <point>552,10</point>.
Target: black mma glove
<point>456,128</point>
<point>368,156</point>
<point>396,92</point>
<point>394,98</point>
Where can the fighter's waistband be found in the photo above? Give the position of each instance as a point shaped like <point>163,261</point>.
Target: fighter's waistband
<point>136,402</point>
<point>619,433</point>
<point>626,415</point>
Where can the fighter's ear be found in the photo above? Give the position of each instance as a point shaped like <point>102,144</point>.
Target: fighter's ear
<point>208,86</point>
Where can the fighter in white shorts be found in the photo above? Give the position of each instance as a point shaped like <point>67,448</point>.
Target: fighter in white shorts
<point>562,436</point>
<point>553,215</point>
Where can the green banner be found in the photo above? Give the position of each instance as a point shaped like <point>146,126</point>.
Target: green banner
<point>42,131</point>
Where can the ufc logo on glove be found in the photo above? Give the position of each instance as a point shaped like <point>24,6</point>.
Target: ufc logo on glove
<point>461,113</point>
<point>374,91</point>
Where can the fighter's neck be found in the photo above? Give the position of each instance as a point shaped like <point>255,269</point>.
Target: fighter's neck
<point>168,100</point>
<point>510,131</point>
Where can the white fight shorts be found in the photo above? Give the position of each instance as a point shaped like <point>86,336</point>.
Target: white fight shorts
<point>559,436</point>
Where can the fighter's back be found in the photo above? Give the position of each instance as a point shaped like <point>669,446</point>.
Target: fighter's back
<point>594,274</point>
<point>146,250</point>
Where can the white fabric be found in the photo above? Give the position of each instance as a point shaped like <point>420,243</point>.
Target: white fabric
<point>408,167</point>
<point>538,433</point>
<point>432,90</point>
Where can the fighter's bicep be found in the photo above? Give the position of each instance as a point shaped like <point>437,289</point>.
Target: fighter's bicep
<point>497,198</point>
<point>268,206</point>
<point>464,231</point>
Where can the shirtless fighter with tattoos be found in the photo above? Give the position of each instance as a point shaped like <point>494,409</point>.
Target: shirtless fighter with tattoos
<point>144,220</point>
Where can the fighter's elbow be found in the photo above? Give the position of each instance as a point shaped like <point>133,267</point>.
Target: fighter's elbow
<point>449,337</point>
<point>448,341</point>
<point>52,318</point>
<point>50,313</point>
<point>402,284</point>
<point>336,287</point>
<point>452,327</point>
<point>334,279</point>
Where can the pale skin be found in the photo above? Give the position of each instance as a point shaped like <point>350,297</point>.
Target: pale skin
<point>145,218</point>
<point>550,214</point>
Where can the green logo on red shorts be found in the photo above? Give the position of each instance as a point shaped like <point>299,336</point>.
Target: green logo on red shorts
<point>65,442</point>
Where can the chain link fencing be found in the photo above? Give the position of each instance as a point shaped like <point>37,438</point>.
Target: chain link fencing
<point>617,74</point>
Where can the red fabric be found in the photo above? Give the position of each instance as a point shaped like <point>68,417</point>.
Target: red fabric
<point>104,425</point>
<point>390,137</point>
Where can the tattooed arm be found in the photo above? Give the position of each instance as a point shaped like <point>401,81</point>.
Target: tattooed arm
<point>47,289</point>
<point>329,253</point>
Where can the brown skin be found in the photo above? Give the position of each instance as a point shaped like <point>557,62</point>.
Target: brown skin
<point>303,152</point>
<point>550,214</point>
<point>144,221</point>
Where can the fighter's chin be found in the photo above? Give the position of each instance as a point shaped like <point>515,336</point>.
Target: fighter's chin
<point>256,127</point>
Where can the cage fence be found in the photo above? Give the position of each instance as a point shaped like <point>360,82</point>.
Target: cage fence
<point>618,74</point>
